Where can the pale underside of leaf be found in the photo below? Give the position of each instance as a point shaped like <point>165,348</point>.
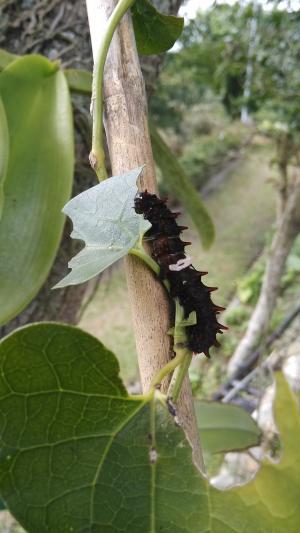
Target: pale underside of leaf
<point>104,218</point>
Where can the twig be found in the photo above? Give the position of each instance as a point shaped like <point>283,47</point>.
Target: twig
<point>253,359</point>
<point>266,364</point>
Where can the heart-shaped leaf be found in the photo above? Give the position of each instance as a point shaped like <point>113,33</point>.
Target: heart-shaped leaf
<point>154,32</point>
<point>78,454</point>
<point>225,428</point>
<point>104,218</point>
<point>38,179</point>
<point>4,152</point>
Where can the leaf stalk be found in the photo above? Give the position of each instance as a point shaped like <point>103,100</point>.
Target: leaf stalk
<point>139,252</point>
<point>167,369</point>
<point>182,352</point>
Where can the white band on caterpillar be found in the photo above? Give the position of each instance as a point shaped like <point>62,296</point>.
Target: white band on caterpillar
<point>181,264</point>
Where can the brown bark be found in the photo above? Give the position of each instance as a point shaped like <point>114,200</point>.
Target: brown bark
<point>126,124</point>
<point>285,148</point>
<point>287,231</point>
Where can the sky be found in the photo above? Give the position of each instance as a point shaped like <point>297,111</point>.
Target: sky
<point>191,7</point>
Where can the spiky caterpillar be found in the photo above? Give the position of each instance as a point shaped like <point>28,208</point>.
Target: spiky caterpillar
<point>168,250</point>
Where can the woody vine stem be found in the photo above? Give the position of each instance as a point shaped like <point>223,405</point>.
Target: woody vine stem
<point>180,363</point>
<point>183,356</point>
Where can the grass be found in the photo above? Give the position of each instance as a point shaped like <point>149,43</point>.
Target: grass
<point>243,210</point>
<point>108,317</point>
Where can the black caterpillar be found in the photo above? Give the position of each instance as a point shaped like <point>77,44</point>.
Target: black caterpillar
<point>185,281</point>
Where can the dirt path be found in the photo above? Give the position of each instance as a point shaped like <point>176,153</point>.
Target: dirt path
<point>242,208</point>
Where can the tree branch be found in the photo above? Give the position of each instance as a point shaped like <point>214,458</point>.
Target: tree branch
<point>285,235</point>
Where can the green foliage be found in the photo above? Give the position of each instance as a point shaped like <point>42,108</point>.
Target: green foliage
<point>4,152</point>
<point>154,32</point>
<point>104,218</point>
<point>214,59</point>
<point>225,427</point>
<point>78,453</point>
<point>76,408</point>
<point>2,506</point>
<point>293,265</point>
<point>206,154</point>
<point>38,179</point>
<point>174,175</point>
<point>249,286</point>
<point>79,81</point>
<point>237,316</point>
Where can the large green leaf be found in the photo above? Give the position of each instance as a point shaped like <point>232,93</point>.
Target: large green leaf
<point>4,152</point>
<point>79,80</point>
<point>78,454</point>
<point>104,218</point>
<point>181,187</point>
<point>39,177</point>
<point>224,427</point>
<point>154,32</point>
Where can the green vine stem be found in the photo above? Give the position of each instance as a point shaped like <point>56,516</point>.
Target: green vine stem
<point>182,352</point>
<point>167,369</point>
<point>179,375</point>
<point>140,252</point>
<point>182,360</point>
<point>97,156</point>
